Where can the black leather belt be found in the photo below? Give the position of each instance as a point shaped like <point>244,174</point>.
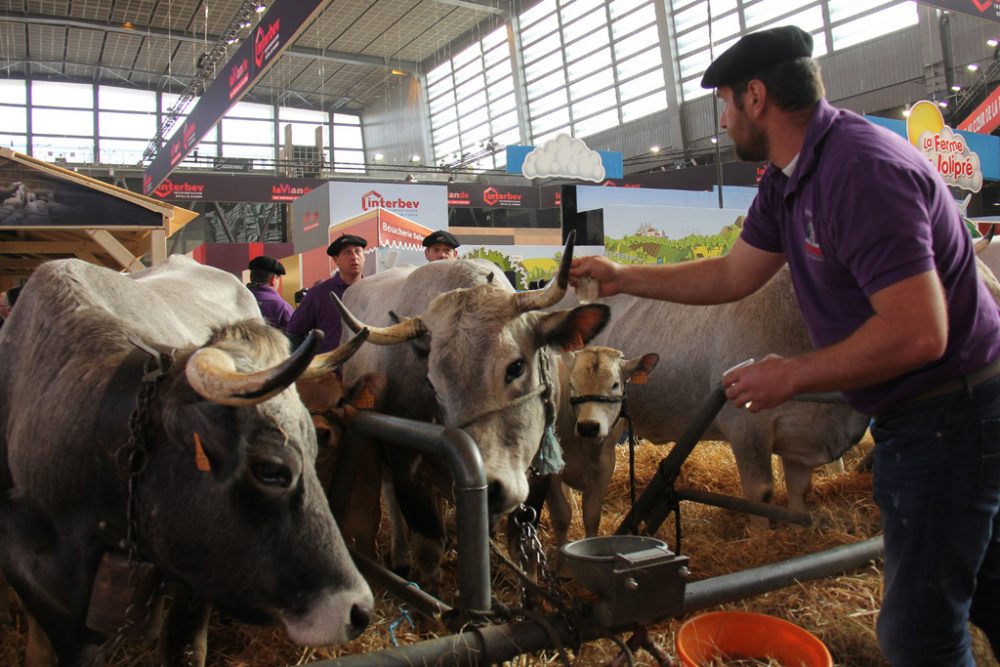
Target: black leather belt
<point>961,383</point>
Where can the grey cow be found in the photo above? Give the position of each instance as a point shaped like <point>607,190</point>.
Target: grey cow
<point>478,359</point>
<point>228,505</point>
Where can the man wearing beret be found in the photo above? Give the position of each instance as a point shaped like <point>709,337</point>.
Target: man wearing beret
<point>317,310</point>
<point>886,280</point>
<point>440,245</point>
<point>265,276</point>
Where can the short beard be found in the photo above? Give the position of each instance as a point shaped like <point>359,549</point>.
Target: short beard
<point>755,148</point>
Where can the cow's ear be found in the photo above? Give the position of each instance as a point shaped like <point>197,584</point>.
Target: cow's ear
<point>571,329</point>
<point>209,433</point>
<point>365,393</point>
<point>638,369</point>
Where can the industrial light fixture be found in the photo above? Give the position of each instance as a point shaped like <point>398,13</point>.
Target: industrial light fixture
<point>127,25</point>
<point>232,40</point>
<point>260,8</point>
<point>906,111</point>
<point>972,67</point>
<point>943,104</point>
<point>245,23</point>
<point>714,140</point>
<point>654,149</point>
<point>378,157</point>
<point>397,72</point>
<point>956,88</point>
<point>992,42</point>
<point>414,158</point>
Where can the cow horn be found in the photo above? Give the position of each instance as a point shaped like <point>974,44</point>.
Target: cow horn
<point>408,329</point>
<point>330,361</point>
<point>982,243</point>
<point>552,293</point>
<point>212,373</point>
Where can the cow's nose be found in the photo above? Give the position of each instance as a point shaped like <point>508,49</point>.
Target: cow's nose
<point>361,615</point>
<point>587,429</point>
<point>496,498</point>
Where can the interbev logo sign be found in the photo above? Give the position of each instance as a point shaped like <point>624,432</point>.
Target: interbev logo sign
<point>492,197</point>
<point>372,199</point>
<point>169,189</point>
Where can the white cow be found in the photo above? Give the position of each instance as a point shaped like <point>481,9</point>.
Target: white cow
<point>591,394</point>
<point>696,345</point>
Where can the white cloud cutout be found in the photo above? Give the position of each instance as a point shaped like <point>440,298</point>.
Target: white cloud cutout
<point>564,157</point>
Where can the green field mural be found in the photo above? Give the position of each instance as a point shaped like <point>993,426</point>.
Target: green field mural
<point>648,245</point>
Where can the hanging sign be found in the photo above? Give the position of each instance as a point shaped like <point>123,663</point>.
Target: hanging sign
<point>276,31</point>
<point>985,9</point>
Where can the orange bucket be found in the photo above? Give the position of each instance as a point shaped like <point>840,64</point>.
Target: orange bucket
<point>740,634</point>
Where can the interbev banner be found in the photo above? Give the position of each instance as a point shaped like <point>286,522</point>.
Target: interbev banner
<point>275,32</point>
<point>986,9</point>
<point>196,186</point>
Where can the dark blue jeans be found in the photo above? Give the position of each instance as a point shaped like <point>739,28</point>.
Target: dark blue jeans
<point>937,484</point>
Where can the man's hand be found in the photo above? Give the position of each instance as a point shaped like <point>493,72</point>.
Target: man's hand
<point>604,271</point>
<point>762,385</point>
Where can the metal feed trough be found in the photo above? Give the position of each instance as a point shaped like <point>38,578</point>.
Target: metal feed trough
<point>620,570</point>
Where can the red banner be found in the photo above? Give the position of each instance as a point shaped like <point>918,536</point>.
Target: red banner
<point>277,30</point>
<point>986,116</point>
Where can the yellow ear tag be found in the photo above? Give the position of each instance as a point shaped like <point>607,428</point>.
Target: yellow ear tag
<point>200,460</point>
<point>639,377</point>
<point>366,401</point>
<point>575,343</point>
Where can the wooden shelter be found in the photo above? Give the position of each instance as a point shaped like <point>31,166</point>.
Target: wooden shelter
<point>49,212</point>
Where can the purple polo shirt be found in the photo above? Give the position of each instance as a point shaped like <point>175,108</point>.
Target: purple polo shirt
<point>317,311</point>
<point>274,309</point>
<point>862,211</point>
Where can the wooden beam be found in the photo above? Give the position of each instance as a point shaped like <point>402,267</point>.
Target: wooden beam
<point>158,246</point>
<point>43,247</point>
<point>8,265</point>
<point>113,247</point>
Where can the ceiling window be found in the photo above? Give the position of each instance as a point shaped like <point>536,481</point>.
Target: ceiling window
<point>706,28</point>
<point>584,60</point>
<point>470,97</point>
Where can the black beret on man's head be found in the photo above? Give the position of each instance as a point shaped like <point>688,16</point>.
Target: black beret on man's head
<point>343,241</point>
<point>269,264</point>
<point>441,236</point>
<point>755,52</point>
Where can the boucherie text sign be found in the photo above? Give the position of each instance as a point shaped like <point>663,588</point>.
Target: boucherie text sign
<point>945,148</point>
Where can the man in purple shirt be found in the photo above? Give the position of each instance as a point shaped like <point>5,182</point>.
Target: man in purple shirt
<point>885,276</point>
<point>318,310</point>
<point>265,276</point>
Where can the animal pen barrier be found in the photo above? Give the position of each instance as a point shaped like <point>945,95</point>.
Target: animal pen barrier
<point>477,642</point>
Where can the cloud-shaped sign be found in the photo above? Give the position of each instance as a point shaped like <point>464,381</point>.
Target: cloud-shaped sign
<point>564,157</point>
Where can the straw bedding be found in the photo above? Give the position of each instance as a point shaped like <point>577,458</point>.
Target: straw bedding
<point>840,611</point>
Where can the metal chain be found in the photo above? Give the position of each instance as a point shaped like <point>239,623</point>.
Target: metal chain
<point>136,457</point>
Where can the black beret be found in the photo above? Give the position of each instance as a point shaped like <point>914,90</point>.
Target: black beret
<point>269,264</point>
<point>345,240</point>
<point>441,236</point>
<point>756,51</point>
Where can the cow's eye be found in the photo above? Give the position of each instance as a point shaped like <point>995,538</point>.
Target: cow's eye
<point>514,371</point>
<point>270,473</point>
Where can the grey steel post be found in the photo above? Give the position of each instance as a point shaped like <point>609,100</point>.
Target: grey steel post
<point>459,452</point>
